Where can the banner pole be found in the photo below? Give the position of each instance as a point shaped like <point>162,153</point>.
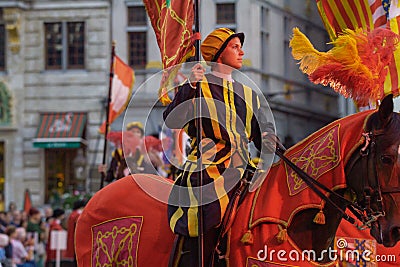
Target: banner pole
<point>103,175</point>
<point>198,141</point>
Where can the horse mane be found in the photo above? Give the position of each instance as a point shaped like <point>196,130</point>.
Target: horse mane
<point>393,123</point>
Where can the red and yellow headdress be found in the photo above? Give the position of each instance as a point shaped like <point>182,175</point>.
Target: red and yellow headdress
<point>355,67</point>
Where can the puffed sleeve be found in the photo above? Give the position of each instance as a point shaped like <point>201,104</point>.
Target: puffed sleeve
<point>260,124</point>
<point>180,111</point>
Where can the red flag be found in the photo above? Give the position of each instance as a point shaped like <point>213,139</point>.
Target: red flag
<point>121,90</point>
<point>172,22</point>
<point>27,201</point>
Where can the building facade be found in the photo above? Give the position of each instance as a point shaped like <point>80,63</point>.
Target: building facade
<point>53,80</point>
<point>54,75</point>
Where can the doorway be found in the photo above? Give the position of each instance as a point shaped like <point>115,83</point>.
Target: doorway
<point>59,173</point>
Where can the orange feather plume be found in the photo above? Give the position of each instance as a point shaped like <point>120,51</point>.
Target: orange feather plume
<point>355,67</point>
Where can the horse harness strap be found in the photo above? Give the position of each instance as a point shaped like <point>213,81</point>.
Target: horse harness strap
<point>367,215</point>
<point>231,211</point>
<point>390,190</point>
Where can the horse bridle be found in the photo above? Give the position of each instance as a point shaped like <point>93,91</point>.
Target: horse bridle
<point>371,188</point>
<point>364,210</point>
<point>361,207</point>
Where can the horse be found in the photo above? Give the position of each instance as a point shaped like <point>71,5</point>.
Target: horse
<point>354,161</point>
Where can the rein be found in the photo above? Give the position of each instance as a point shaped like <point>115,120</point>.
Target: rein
<point>316,186</point>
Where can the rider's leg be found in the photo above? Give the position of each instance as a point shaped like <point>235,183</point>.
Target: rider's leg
<point>190,251</point>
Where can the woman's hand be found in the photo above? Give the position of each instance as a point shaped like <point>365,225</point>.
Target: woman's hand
<point>271,141</point>
<point>102,168</point>
<point>197,74</point>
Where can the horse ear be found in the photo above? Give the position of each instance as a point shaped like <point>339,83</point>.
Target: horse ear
<point>386,109</point>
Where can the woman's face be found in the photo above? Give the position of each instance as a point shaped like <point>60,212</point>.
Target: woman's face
<point>232,55</point>
<point>137,132</point>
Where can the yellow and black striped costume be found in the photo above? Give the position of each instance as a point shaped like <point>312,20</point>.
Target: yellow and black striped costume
<point>134,164</point>
<point>231,118</point>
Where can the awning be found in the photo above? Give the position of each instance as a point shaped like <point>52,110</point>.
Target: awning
<point>61,130</point>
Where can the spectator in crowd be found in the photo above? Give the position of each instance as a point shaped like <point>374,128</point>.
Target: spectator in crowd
<point>78,207</point>
<point>8,249</point>
<point>48,215</point>
<point>48,212</point>
<point>22,249</point>
<point>5,260</point>
<point>12,206</point>
<point>18,219</point>
<point>3,221</point>
<point>36,228</point>
<point>55,225</point>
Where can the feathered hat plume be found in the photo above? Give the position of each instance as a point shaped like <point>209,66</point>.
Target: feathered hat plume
<point>355,67</point>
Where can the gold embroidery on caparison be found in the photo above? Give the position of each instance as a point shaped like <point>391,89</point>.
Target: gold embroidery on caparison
<point>316,153</point>
<point>112,252</point>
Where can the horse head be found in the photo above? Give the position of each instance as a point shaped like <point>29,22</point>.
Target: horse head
<point>377,187</point>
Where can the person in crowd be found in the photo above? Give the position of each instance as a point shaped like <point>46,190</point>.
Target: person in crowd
<point>36,228</point>
<point>12,207</point>
<point>55,225</point>
<point>48,212</point>
<point>231,118</point>
<point>8,249</point>
<point>78,207</point>
<point>22,248</point>
<point>124,163</point>
<point>3,221</point>
<point>18,219</point>
<point>5,256</point>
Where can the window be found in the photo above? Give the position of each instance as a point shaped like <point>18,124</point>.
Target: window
<point>265,56</point>
<point>65,45</point>
<point>137,49</point>
<point>5,105</point>
<point>264,39</point>
<point>76,44</point>
<point>137,16</point>
<point>137,36</point>
<point>226,13</point>
<point>291,69</point>
<point>2,42</point>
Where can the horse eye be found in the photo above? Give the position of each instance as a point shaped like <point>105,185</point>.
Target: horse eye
<point>386,159</point>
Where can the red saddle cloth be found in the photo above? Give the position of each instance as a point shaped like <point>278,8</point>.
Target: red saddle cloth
<point>124,225</point>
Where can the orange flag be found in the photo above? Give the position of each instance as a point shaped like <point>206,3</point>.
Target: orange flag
<point>121,90</point>
<point>27,201</point>
<point>172,22</point>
